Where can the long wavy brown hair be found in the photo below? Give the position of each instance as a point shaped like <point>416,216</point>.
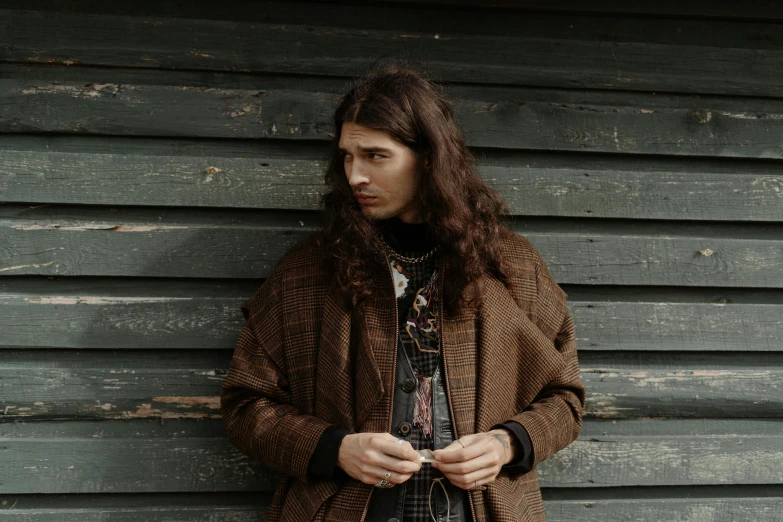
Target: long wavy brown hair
<point>464,215</point>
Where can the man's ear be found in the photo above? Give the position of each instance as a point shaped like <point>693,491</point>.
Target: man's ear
<point>426,162</point>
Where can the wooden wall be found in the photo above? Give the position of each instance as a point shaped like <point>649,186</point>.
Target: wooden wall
<point>156,161</point>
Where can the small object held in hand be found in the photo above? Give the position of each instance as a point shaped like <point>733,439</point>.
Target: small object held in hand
<point>426,455</point>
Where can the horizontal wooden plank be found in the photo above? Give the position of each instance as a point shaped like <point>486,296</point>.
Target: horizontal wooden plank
<point>761,509</point>
<point>252,507</point>
<point>720,325</point>
<point>188,455</point>
<point>531,183</point>
<point>138,313</point>
<point>176,384</point>
<point>669,452</point>
<point>142,456</point>
<point>513,118</point>
<point>149,507</point>
<point>331,13</point>
<point>707,385</point>
<point>702,9</point>
<point>177,243</point>
<point>547,49</point>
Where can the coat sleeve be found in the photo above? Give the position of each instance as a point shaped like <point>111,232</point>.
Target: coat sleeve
<point>255,399</point>
<point>554,418</point>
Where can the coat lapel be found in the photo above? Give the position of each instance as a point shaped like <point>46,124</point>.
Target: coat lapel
<point>458,349</point>
<point>349,382</point>
<point>515,358</point>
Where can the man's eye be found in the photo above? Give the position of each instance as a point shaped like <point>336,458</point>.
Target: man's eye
<point>378,156</point>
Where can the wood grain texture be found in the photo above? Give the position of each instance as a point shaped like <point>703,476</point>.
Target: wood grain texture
<point>252,507</point>
<point>503,117</point>
<point>139,313</point>
<point>531,183</point>
<point>168,384</point>
<point>522,48</point>
<point>142,456</point>
<point>182,455</point>
<point>72,241</point>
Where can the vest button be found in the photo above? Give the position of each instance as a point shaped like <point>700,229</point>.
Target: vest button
<point>394,520</point>
<point>408,385</point>
<point>404,428</point>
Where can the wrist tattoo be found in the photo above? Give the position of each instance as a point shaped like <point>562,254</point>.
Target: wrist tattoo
<point>504,439</point>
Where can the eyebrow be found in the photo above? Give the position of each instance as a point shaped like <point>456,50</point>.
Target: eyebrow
<point>369,149</point>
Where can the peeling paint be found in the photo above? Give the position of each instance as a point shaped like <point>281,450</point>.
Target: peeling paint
<point>488,108</point>
<point>189,402</point>
<point>33,265</point>
<point>101,300</point>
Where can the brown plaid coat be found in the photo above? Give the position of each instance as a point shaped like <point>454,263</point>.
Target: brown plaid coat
<point>305,360</point>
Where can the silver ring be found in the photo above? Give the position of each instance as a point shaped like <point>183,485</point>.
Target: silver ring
<point>385,483</point>
<point>478,488</point>
<point>398,441</point>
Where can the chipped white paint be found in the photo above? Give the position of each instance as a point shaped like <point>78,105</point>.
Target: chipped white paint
<point>115,228</point>
<point>18,267</point>
<point>101,300</point>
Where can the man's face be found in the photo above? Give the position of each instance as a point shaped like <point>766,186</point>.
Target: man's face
<point>382,168</point>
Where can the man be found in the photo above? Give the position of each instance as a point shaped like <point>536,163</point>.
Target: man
<point>412,321</point>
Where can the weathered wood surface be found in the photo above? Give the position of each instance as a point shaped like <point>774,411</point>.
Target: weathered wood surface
<point>504,117</point>
<point>252,507</point>
<point>153,314</point>
<point>136,384</point>
<point>188,455</point>
<point>531,183</point>
<point>431,12</point>
<point>143,456</point>
<point>549,49</point>
<point>146,507</point>
<point>213,243</point>
<point>694,509</point>
<point>702,9</point>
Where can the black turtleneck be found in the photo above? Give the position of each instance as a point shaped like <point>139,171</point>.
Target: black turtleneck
<point>406,237</point>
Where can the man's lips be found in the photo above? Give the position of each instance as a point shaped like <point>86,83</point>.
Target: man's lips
<point>362,198</point>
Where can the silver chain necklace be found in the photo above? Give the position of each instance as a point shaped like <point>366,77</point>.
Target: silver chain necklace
<point>408,259</point>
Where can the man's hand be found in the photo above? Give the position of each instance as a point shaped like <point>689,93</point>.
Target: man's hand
<point>479,462</point>
<point>369,456</point>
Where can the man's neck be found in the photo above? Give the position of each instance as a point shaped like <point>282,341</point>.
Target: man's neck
<point>406,237</point>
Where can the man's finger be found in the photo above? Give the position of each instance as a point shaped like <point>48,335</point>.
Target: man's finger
<point>401,451</point>
<point>484,461</point>
<point>473,448</point>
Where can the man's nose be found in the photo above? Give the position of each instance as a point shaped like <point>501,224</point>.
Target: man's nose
<point>356,176</point>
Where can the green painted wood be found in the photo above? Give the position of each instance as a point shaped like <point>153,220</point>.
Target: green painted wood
<point>84,241</point>
<point>531,183</point>
<point>149,507</point>
<point>708,385</point>
<point>429,15</point>
<point>668,452</point>
<point>127,384</point>
<point>125,457</point>
<point>248,507</point>
<point>135,384</point>
<point>703,9</point>
<point>135,313</point>
<point>84,313</point>
<point>516,118</point>
<point>761,509</point>
<point>549,50</point>
<point>188,455</point>
<point>681,326</point>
